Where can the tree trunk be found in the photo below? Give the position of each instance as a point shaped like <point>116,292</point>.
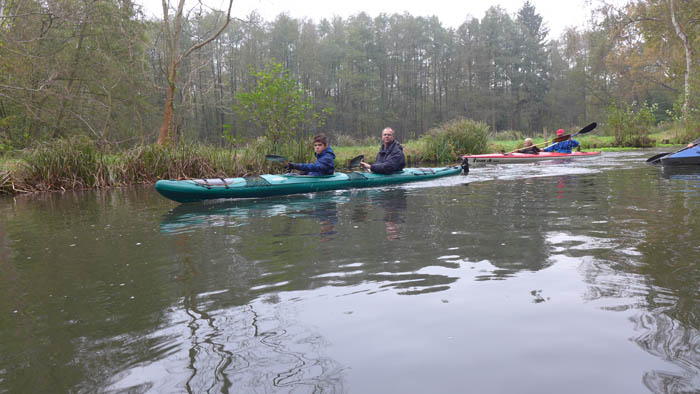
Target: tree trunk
<point>168,126</point>
<point>688,60</point>
<point>166,134</point>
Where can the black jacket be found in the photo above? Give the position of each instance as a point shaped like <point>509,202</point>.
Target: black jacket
<point>533,150</point>
<point>389,159</point>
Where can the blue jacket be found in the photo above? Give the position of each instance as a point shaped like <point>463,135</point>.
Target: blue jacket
<point>389,159</point>
<point>324,165</point>
<point>562,147</point>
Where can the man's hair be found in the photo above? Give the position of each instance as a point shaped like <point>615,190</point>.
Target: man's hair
<point>388,128</point>
<point>321,138</point>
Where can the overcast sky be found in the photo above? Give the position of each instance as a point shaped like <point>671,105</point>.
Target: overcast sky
<point>557,14</point>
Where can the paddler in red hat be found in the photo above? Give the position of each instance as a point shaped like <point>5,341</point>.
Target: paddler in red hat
<point>565,146</point>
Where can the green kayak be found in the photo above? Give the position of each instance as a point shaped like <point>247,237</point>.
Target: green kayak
<point>192,190</point>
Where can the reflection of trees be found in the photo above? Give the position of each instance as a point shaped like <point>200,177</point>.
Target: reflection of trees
<point>665,338</point>
<point>647,258</point>
<point>82,295</point>
<point>254,348</point>
<point>288,255</point>
<point>507,231</point>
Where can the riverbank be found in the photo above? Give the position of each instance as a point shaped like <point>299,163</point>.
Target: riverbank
<point>79,163</point>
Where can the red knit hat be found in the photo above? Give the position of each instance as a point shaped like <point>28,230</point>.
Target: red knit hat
<point>560,132</point>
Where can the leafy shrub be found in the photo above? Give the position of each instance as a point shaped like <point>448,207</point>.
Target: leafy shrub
<point>451,139</point>
<point>630,127</point>
<point>276,104</point>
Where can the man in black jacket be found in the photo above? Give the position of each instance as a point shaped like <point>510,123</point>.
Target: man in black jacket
<point>390,158</point>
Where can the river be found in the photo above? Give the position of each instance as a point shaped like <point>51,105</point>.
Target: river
<point>577,277</point>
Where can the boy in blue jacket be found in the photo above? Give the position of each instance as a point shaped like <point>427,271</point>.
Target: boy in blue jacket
<point>325,159</point>
<point>564,146</point>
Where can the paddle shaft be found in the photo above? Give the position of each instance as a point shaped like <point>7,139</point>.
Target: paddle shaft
<point>354,162</point>
<point>552,141</point>
<point>584,130</point>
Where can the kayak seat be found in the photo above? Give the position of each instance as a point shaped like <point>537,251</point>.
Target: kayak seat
<point>424,171</point>
<point>209,183</point>
<point>255,181</point>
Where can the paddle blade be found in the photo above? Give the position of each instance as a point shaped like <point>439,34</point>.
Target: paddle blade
<point>584,130</point>
<point>276,158</point>
<point>658,157</point>
<point>588,128</point>
<point>356,161</point>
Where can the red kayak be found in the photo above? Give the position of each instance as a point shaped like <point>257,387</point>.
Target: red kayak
<point>504,158</point>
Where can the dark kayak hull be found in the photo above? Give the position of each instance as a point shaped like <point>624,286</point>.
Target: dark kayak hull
<point>505,158</point>
<point>192,190</point>
<point>686,157</point>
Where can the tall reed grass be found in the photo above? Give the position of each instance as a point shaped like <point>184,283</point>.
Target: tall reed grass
<point>64,164</point>
<point>79,163</point>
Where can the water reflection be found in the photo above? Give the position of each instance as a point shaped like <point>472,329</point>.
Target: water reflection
<point>233,213</point>
<point>123,291</point>
<point>646,261</point>
<point>669,339</point>
<point>682,173</point>
<point>394,206</point>
<point>316,240</point>
<point>258,347</point>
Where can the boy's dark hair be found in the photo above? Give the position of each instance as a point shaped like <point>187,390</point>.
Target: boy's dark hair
<point>321,138</point>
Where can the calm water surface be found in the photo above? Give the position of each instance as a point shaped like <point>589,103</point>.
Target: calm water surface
<point>552,278</point>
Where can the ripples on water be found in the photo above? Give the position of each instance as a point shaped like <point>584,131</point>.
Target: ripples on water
<point>559,277</point>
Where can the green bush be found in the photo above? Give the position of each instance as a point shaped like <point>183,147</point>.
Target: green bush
<point>631,128</point>
<point>454,138</point>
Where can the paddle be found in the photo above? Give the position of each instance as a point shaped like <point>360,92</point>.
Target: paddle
<point>584,130</point>
<point>354,162</point>
<point>657,158</point>
<point>276,158</point>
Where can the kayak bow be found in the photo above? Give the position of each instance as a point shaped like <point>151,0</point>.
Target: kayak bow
<point>684,157</point>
